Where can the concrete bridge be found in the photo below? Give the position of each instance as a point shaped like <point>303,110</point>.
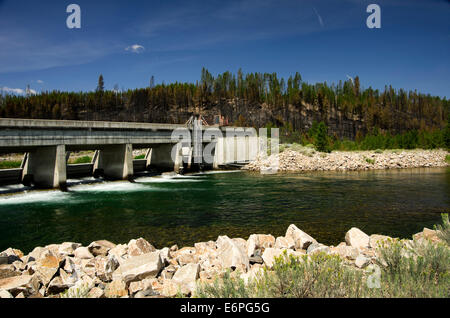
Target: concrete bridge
<point>47,145</point>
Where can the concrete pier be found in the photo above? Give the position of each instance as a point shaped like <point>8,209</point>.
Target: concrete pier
<point>46,167</point>
<point>116,162</point>
<point>166,157</point>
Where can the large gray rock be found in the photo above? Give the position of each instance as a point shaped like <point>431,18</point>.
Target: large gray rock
<point>8,270</point>
<point>362,261</point>
<point>283,242</point>
<point>57,286</point>
<point>139,267</point>
<point>186,255</point>
<point>120,252</point>
<point>270,254</point>
<point>259,242</point>
<point>101,247</point>
<point>83,253</point>
<point>357,238</point>
<point>67,248</point>
<point>231,254</point>
<point>27,284</point>
<point>12,255</point>
<point>317,248</point>
<point>186,276</point>
<point>139,247</point>
<point>5,294</point>
<point>301,239</point>
<point>345,251</point>
<point>47,266</point>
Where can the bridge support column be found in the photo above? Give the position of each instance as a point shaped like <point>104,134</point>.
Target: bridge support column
<point>224,151</point>
<point>161,157</point>
<point>116,161</point>
<point>252,143</point>
<point>46,167</point>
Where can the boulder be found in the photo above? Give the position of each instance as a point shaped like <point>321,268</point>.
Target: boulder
<point>256,259</point>
<point>12,255</point>
<point>115,289</point>
<point>231,254</point>
<point>186,255</point>
<point>83,253</point>
<point>101,247</point>
<point>88,267</point>
<point>165,255</point>
<point>47,266</point>
<point>270,254</point>
<point>169,271</point>
<point>259,242</point>
<point>18,266</point>
<point>317,248</point>
<point>345,251</point>
<point>67,248</point>
<point>8,270</point>
<point>283,242</point>
<point>357,238</point>
<point>145,285</point>
<point>204,247</point>
<point>431,235</point>
<point>17,284</point>
<point>35,254</point>
<point>185,277</point>
<point>139,267</point>
<point>139,247</point>
<point>57,286</point>
<point>119,251</point>
<point>5,294</point>
<point>169,288</point>
<point>301,239</point>
<point>69,279</point>
<point>362,261</point>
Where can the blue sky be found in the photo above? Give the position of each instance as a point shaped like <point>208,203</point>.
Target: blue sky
<point>323,40</point>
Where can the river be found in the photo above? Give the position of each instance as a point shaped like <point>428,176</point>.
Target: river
<point>187,209</point>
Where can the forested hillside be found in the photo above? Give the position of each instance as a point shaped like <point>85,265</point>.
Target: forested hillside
<point>253,99</point>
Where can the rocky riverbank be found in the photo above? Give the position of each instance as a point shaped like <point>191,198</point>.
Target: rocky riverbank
<point>139,270</point>
<point>309,160</point>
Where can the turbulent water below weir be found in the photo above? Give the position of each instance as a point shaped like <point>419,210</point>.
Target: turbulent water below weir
<point>187,209</point>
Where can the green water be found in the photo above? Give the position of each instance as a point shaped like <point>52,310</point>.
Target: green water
<point>191,209</point>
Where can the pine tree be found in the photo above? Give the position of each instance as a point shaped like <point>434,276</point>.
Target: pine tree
<point>321,139</point>
<point>101,84</point>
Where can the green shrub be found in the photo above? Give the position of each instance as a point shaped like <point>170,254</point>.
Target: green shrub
<point>444,229</point>
<point>420,269</point>
<point>10,164</point>
<point>321,138</point>
<point>84,159</point>
<point>371,161</point>
<point>140,157</point>
<point>319,275</point>
<point>447,158</point>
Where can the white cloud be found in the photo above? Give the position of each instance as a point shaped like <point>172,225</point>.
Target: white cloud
<point>16,91</point>
<point>319,18</point>
<point>40,81</point>
<point>135,48</point>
